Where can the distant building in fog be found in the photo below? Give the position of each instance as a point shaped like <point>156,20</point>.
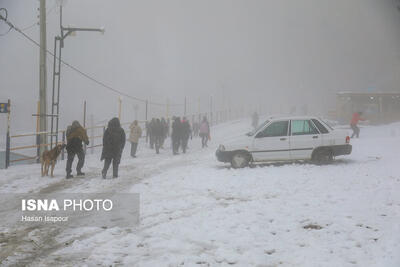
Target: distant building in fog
<point>377,107</point>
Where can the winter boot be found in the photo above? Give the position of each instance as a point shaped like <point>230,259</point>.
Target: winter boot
<point>69,176</point>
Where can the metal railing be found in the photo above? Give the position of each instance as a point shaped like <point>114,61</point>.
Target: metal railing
<point>217,117</point>
<point>37,146</point>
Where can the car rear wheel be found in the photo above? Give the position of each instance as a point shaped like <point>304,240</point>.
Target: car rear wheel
<point>240,160</point>
<point>323,156</point>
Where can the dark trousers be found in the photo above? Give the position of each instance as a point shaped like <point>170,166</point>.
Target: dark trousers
<point>175,145</point>
<point>184,143</point>
<point>204,139</point>
<point>70,159</point>
<point>356,130</point>
<point>107,163</point>
<point>152,141</point>
<point>133,149</point>
<point>158,140</point>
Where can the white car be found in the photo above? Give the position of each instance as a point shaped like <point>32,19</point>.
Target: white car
<point>287,139</point>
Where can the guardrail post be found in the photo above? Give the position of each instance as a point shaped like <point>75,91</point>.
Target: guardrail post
<point>8,150</point>
<point>8,135</point>
<point>63,141</point>
<point>38,148</point>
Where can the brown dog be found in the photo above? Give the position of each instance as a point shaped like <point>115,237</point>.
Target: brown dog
<point>50,158</point>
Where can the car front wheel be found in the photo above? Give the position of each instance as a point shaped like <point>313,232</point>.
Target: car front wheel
<point>240,160</point>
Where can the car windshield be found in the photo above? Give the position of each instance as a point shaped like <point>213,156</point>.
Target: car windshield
<point>258,128</point>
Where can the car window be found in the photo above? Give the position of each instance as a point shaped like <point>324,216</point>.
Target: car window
<point>258,128</point>
<point>326,123</point>
<point>320,126</point>
<point>302,127</point>
<point>278,128</point>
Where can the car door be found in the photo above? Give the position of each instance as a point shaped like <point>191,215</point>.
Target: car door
<point>304,137</point>
<point>272,142</point>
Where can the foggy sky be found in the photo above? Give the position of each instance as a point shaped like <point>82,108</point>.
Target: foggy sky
<point>276,54</point>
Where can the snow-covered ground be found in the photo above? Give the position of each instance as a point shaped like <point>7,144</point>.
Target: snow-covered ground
<point>198,212</point>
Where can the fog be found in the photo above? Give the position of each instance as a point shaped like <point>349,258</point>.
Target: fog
<point>260,55</point>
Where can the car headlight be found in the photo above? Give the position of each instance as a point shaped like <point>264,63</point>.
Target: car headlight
<point>221,148</point>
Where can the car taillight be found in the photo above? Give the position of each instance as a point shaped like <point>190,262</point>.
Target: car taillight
<point>347,139</point>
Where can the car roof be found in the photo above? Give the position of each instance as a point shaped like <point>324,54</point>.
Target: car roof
<point>281,117</point>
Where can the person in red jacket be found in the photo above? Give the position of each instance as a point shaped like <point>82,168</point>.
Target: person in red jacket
<point>353,124</point>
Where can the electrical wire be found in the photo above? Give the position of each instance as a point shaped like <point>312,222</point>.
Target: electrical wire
<point>79,71</point>
<point>5,19</point>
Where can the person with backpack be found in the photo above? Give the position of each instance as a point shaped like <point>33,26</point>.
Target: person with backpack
<point>185,134</point>
<point>113,145</point>
<point>176,135</point>
<point>76,134</point>
<point>158,134</point>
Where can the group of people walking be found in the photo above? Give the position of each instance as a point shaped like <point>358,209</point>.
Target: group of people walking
<point>157,130</point>
<point>113,145</point>
<point>114,138</point>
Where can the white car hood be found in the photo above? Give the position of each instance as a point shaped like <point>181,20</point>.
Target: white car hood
<point>238,143</point>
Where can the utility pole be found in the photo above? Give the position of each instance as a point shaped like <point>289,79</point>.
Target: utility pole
<point>211,110</point>
<point>167,108</point>
<point>184,111</point>
<point>147,109</point>
<point>119,108</point>
<point>58,45</point>
<point>42,77</point>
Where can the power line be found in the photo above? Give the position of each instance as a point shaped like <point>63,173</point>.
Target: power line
<point>79,71</point>
<point>5,18</point>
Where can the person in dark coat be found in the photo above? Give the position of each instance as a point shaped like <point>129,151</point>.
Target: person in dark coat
<point>176,135</point>
<point>185,134</point>
<point>157,131</point>
<point>76,134</point>
<point>151,134</point>
<point>165,131</point>
<point>113,145</point>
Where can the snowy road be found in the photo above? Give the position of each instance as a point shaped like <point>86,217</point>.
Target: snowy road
<point>198,212</point>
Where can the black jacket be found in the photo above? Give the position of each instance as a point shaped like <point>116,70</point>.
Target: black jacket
<point>176,129</point>
<point>185,130</point>
<point>157,128</point>
<point>113,140</point>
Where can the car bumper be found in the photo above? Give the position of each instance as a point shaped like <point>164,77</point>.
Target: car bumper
<point>342,150</point>
<point>223,156</point>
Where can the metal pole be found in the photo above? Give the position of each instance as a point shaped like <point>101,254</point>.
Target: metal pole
<point>63,141</point>
<point>58,92</point>
<point>84,114</point>
<point>43,76</point>
<point>8,135</point>
<point>92,133</point>
<point>38,135</point>
<point>53,95</point>
<point>211,114</point>
<point>184,111</point>
<point>167,108</point>
<point>147,106</point>
<point>119,108</point>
